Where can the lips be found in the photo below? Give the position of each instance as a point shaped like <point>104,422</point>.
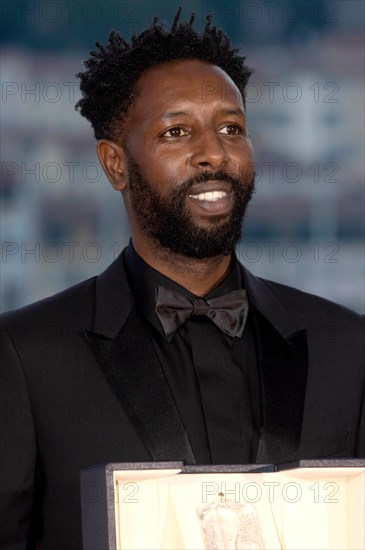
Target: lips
<point>210,186</point>
<point>209,196</point>
<point>212,197</point>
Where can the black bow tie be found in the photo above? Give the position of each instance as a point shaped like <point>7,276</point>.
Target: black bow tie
<point>228,312</point>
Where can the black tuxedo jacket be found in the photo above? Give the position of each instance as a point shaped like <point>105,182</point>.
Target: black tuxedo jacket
<point>81,384</point>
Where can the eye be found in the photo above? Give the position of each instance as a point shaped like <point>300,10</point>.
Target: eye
<point>231,130</point>
<point>175,132</point>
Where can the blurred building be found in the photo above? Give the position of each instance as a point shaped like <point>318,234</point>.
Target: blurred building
<point>61,220</point>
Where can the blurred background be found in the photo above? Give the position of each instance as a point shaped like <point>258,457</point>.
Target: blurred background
<point>62,222</point>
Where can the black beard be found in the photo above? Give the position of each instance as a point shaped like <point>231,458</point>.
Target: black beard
<point>166,220</point>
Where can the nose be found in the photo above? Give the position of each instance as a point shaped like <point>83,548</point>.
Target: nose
<point>208,152</point>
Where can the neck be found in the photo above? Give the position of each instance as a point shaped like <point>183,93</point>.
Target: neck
<point>199,276</point>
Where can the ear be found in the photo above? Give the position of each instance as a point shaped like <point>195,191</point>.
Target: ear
<point>113,160</point>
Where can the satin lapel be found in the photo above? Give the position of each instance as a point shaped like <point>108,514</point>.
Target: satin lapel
<point>133,370</point>
<point>281,347</point>
<point>283,372</point>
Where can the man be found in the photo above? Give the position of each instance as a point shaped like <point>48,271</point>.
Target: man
<point>176,351</point>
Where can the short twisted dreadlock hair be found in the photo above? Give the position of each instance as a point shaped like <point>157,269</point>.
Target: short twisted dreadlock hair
<point>108,85</point>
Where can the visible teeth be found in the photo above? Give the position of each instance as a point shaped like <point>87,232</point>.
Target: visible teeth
<point>210,195</point>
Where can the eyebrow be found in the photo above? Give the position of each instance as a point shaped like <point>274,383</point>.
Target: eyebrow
<point>237,112</point>
<point>174,114</point>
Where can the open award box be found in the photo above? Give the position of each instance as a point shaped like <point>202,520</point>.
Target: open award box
<point>310,504</point>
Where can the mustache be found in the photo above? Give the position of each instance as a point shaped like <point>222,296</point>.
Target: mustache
<point>210,176</point>
<point>220,175</point>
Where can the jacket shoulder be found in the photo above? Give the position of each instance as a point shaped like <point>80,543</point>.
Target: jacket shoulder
<point>307,305</point>
<point>70,306</point>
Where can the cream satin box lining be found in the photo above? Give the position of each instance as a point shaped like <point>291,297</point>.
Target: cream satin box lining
<point>310,505</point>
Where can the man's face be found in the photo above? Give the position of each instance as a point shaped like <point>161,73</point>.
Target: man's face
<point>189,159</point>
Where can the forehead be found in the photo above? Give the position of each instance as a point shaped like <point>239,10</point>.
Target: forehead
<point>183,82</point>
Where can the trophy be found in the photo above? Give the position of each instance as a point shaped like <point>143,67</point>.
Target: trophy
<point>230,525</point>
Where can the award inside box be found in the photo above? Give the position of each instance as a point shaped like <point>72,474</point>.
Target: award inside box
<point>310,505</point>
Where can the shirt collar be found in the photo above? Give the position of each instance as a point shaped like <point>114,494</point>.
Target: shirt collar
<point>144,281</point>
